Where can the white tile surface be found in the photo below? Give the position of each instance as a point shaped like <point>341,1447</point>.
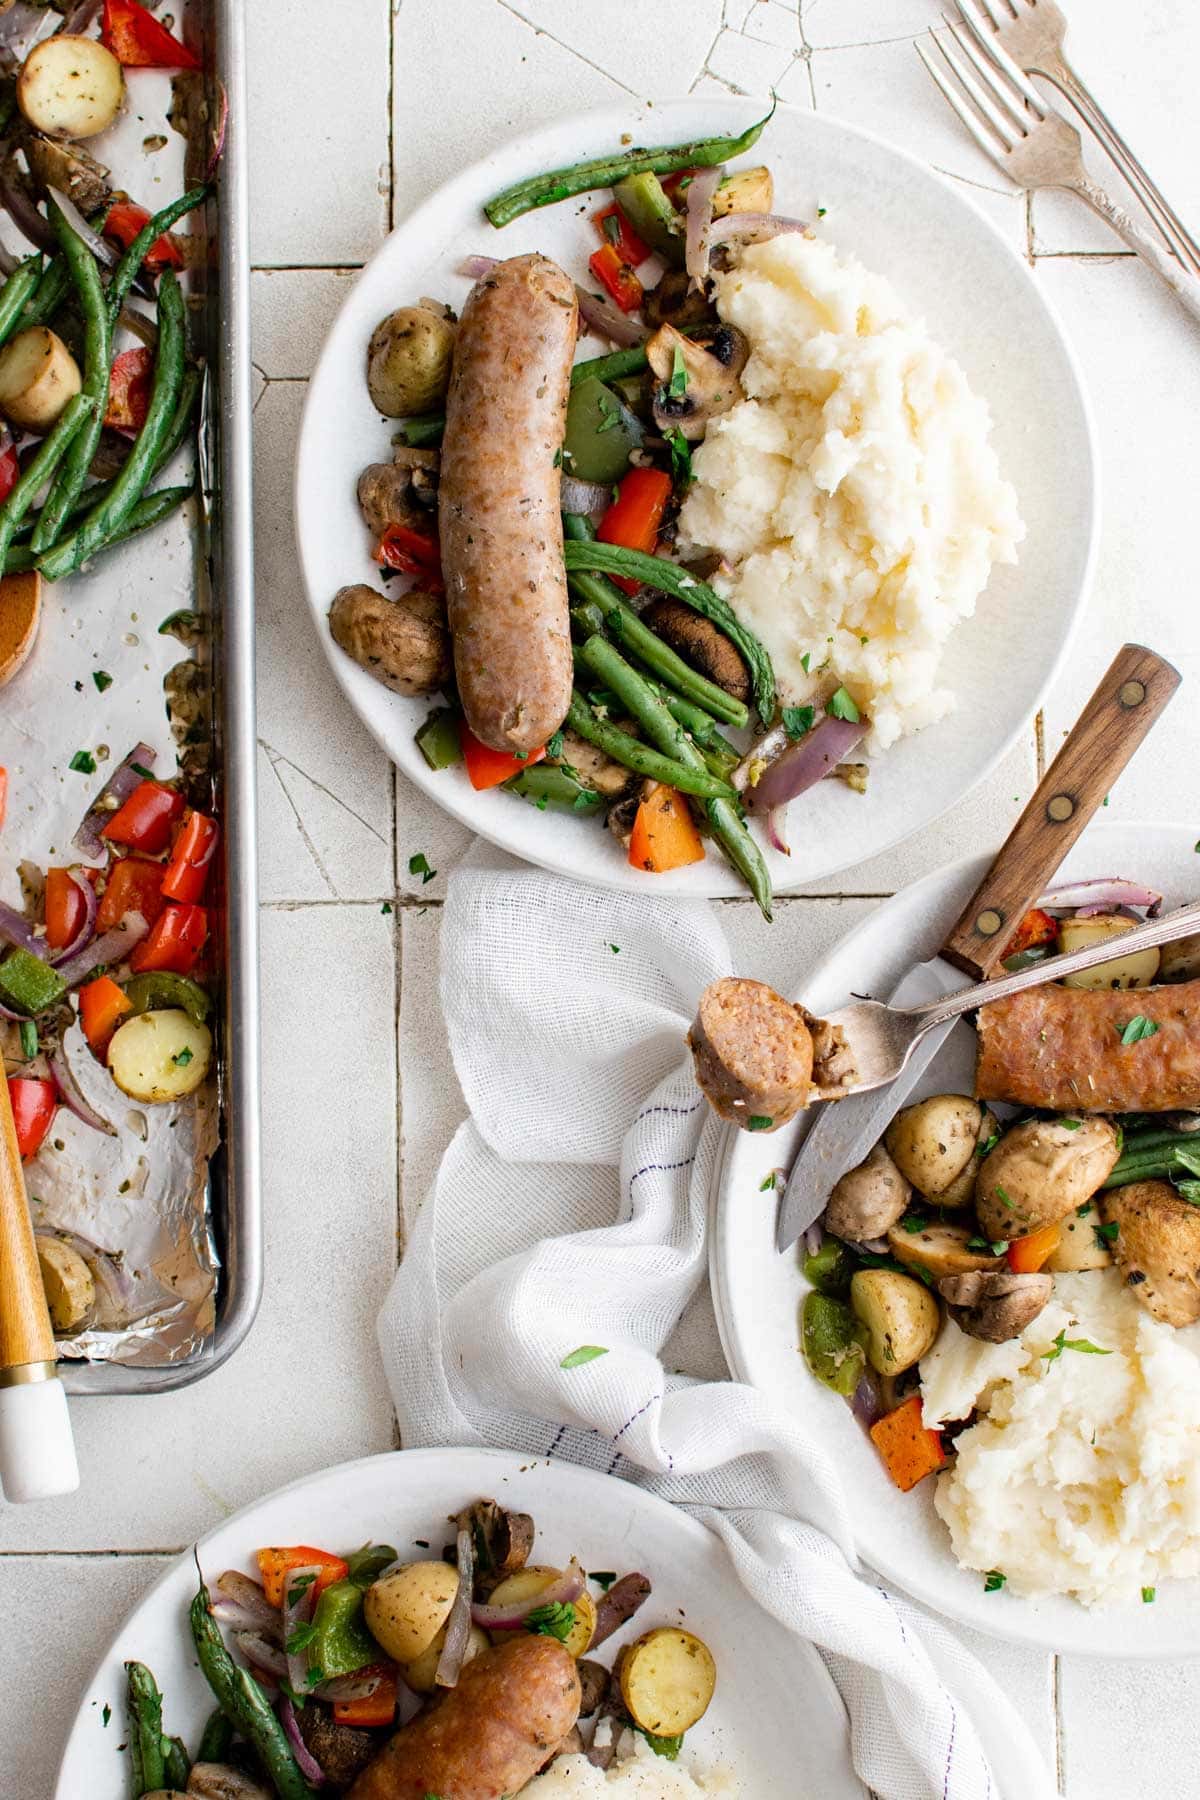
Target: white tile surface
<point>350,128</point>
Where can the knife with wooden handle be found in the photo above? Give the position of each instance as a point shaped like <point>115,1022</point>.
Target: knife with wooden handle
<point>1132,696</point>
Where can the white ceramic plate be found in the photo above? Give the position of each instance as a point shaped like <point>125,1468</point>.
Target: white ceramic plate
<point>758,1293</point>
<point>979,301</point>
<point>776,1717</point>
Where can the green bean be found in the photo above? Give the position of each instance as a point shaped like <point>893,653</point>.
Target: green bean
<point>215,1739</point>
<point>150,510</point>
<point>108,515</point>
<point>605,171</point>
<point>176,1763</point>
<point>68,484</point>
<point>125,273</point>
<point>619,363</point>
<point>669,578</point>
<point>145,1731</point>
<point>1156,1156</point>
<point>731,833</point>
<point>244,1703</point>
<point>16,293</point>
<point>53,448</point>
<point>697,722</point>
<point>52,289</point>
<point>631,753</point>
<point>550,785</point>
<point>421,433</point>
<point>636,697</point>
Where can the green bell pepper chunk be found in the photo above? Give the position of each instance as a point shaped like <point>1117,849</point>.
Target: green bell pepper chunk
<point>601,431</point>
<point>550,785</point>
<point>832,1339</point>
<point>829,1269</point>
<point>28,985</point>
<point>644,201</point>
<point>438,740</point>
<point>160,988</point>
<point>341,1643</point>
<point>367,1565</point>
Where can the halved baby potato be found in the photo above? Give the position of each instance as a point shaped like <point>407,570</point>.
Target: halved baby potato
<point>746,190</point>
<point>70,1289</point>
<point>902,1318</point>
<point>38,375</point>
<point>405,1611</point>
<point>667,1679</point>
<point>1133,971</point>
<point>421,1673</point>
<point>160,1055</point>
<point>532,1580</point>
<point>70,87</point>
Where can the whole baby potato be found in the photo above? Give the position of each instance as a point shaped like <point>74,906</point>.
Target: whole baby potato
<point>868,1200</point>
<point>408,361</point>
<point>933,1143</point>
<point>902,1318</point>
<point>404,1611</point>
<point>1041,1172</point>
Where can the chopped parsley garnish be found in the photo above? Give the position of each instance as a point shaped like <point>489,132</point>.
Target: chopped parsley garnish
<point>662,1746</point>
<point>554,744</point>
<point>914,1222</point>
<point>764,1186</point>
<point>300,1586</point>
<point>556,1620</point>
<point>29,1039</point>
<point>183,1057</point>
<point>615,948</point>
<point>1148,1596</point>
<point>841,706</point>
<point>608,415</point>
<point>102,679</point>
<point>603,1578</point>
<point>1139,1027</point>
<point>586,1353</point>
<point>386,907</point>
<point>419,865</point>
<point>677,386</point>
<point>681,456</point>
<point>1070,1124</point>
<point>1003,1198</point>
<point>996,1246</point>
<point>106,1715</point>
<point>300,1639</point>
<point>83,763</point>
<point>798,720</point>
<point>146,774</point>
<point>557,463</point>
<point>988,1146</point>
<point>804,661</point>
<point>1081,1212</point>
<point>1062,1342</point>
<point>757,1122</point>
<point>1107,1233</point>
<point>993,1581</point>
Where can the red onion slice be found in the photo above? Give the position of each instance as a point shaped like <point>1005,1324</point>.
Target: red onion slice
<point>408,1703</point>
<point>752,228</point>
<point>458,1625</point>
<point>306,1762</point>
<point>246,1596</point>
<point>139,325</point>
<point>91,906</point>
<point>866,1402</point>
<point>701,190</point>
<point>813,1238</point>
<point>297,1611</point>
<point>476,267</point>
<point>78,21</point>
<point>348,1687</point>
<point>584,496</point>
<point>804,763</point>
<point>71,1095</point>
<point>217,144</point>
<point>113,947</point>
<point>606,318</point>
<point>264,1657</point>
<point>116,790</point>
<point>775,828</point>
<point>562,1592</point>
<point>22,208</point>
<point>100,247</point>
<point>16,929</point>
<point>1102,893</point>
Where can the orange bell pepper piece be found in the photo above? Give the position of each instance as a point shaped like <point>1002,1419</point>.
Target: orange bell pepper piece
<point>378,1708</point>
<point>616,277</point>
<point>1035,929</point>
<point>664,835</point>
<point>620,234</point>
<point>101,1004</point>
<point>635,515</point>
<point>1025,1256</point>
<point>278,1561</point>
<point>910,1451</point>
<point>487,768</point>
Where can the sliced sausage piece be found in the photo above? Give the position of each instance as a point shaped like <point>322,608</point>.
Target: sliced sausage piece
<point>753,1053</point>
<point>490,1735</point>
<point>1060,1048</point>
<point>498,502</point>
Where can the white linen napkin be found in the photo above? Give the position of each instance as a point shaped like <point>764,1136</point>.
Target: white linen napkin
<point>571,1209</point>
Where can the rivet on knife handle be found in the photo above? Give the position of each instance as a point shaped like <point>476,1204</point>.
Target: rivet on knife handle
<point>1129,700</point>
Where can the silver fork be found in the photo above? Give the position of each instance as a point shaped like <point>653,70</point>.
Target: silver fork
<point>881,1038</point>
<point>1033,33</point>
<point>1036,148</point>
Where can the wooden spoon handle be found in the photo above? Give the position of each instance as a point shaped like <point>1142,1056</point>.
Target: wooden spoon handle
<point>1129,700</point>
<point>26,1334</point>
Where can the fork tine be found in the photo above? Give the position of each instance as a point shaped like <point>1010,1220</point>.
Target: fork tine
<point>995,84</point>
<point>992,48</point>
<point>997,12</point>
<point>1006,132</point>
<point>992,144</point>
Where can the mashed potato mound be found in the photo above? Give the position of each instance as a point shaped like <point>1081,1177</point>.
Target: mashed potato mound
<point>638,1774</point>
<point>854,490</point>
<point>1083,1474</point>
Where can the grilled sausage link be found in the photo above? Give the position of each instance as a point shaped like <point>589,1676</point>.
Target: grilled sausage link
<point>498,503</point>
<point>489,1735</point>
<point>1061,1048</point>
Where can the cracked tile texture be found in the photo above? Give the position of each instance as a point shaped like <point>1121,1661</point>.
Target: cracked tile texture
<point>360,1096</point>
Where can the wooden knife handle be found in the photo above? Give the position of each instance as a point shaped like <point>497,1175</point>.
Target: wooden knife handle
<point>1129,700</point>
<point>26,1334</point>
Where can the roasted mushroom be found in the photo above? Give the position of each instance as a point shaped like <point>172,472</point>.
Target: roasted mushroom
<point>699,643</point>
<point>868,1200</point>
<point>1157,1248</point>
<point>675,301</point>
<point>221,1781</point>
<point>343,1751</point>
<point>402,642</point>
<point>695,385</point>
<point>1041,1172</point>
<point>70,169</point>
<point>385,498</point>
<point>995,1305</point>
<point>594,769</point>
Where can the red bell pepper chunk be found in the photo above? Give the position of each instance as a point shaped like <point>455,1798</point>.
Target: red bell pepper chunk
<point>10,468</point>
<point>101,1004</point>
<point>1036,928</point>
<point>617,277</point>
<point>134,885</point>
<point>66,908</point>
<point>378,1708</point>
<point>635,515</point>
<point>413,553</point>
<point>138,41</point>
<point>675,186</point>
<point>145,820</point>
<point>487,768</point>
<point>129,386</point>
<point>174,942</point>
<point>278,1561</point>
<point>34,1104</point>
<point>621,235</point>
<point>126,219</point>
<point>195,847</point>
